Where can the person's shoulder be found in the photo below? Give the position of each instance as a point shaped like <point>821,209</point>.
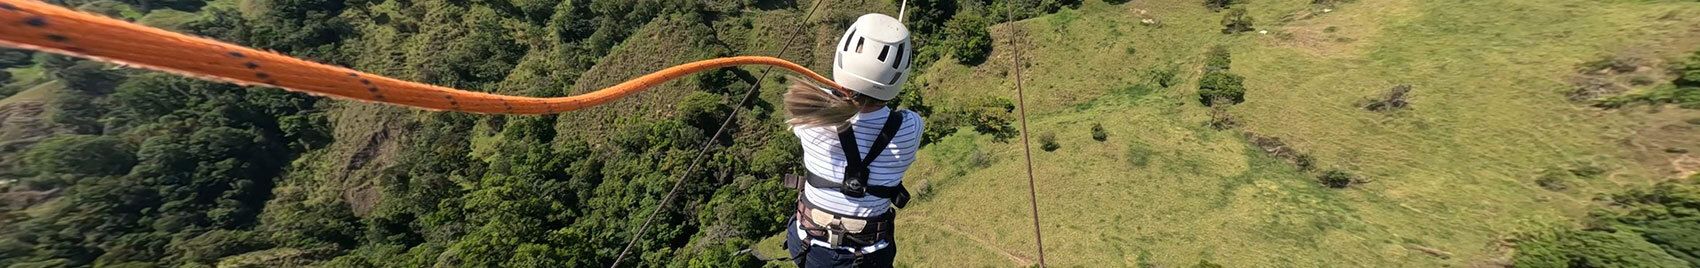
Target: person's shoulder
<point>912,118</point>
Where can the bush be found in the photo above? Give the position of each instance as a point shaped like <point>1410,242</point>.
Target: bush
<point>1337,179</point>
<point>14,58</point>
<point>1048,142</point>
<point>1593,249</point>
<point>1098,132</point>
<point>967,39</point>
<point>1219,5</point>
<point>1164,77</point>
<point>1218,59</point>
<point>1236,21</point>
<point>1219,88</point>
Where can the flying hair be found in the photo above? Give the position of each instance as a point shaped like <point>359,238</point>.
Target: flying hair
<point>809,104</point>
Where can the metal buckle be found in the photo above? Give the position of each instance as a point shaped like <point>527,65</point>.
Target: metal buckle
<point>834,237</point>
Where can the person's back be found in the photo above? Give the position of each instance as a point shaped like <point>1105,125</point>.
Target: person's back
<point>823,157</point>
<point>855,150</point>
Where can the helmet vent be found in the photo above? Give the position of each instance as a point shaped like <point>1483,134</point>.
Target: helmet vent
<point>847,39</point>
<point>899,60</point>
<point>883,52</point>
<point>894,78</point>
<point>859,42</point>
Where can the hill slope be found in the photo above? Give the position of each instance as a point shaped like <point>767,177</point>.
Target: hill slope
<point>1449,180</point>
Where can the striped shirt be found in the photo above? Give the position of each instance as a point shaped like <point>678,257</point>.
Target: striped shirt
<point>822,156</point>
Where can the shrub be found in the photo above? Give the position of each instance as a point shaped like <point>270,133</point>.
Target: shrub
<point>14,58</point>
<point>1337,179</point>
<point>967,39</point>
<point>1098,132</point>
<point>1164,77</point>
<point>1236,21</point>
<point>1218,59</point>
<point>1048,142</point>
<point>1330,29</point>
<point>1219,5</point>
<point>1221,88</point>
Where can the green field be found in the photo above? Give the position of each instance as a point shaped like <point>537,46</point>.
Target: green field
<point>1450,180</point>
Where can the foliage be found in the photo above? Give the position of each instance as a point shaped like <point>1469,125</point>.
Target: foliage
<point>1048,142</point>
<point>1164,77</point>
<point>81,154</point>
<point>1337,178</point>
<point>1219,5</point>
<point>967,38</point>
<point>1236,21</point>
<point>1684,90</point>
<point>1098,133</point>
<point>1218,86</point>
<point>223,175</point>
<point>14,58</point>
<point>1656,226</point>
<point>987,115</point>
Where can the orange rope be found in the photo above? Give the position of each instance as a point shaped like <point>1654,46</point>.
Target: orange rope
<point>45,27</point>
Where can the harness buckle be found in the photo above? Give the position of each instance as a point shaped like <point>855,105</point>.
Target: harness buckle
<point>854,187</point>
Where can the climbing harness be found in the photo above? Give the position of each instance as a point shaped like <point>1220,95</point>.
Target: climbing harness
<point>834,230</point>
<point>857,170</point>
<point>49,28</point>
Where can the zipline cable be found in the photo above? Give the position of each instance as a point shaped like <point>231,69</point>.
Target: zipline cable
<point>1026,149</point>
<point>748,94</point>
<point>40,26</point>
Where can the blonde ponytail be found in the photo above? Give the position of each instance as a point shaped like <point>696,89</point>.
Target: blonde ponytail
<point>809,105</point>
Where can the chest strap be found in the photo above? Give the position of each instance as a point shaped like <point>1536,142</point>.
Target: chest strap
<point>856,168</point>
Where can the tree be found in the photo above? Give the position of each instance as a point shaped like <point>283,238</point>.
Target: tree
<point>1220,88</point>
<point>1236,21</point>
<point>14,58</point>
<point>81,154</point>
<point>89,77</point>
<point>967,38</point>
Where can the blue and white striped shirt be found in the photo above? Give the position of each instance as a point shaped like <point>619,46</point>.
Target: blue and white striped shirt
<point>822,156</point>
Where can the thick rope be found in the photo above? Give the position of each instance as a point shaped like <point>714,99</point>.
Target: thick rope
<point>45,27</point>
<point>1026,149</point>
<point>680,182</point>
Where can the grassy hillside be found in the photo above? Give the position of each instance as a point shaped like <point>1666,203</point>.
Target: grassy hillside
<point>1497,145</point>
<point>1450,180</point>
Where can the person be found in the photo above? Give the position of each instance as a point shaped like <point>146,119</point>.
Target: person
<point>855,150</point>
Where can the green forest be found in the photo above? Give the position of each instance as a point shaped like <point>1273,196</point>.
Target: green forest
<point>1273,121</point>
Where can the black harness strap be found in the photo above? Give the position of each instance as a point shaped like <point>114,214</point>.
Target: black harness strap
<point>856,168</point>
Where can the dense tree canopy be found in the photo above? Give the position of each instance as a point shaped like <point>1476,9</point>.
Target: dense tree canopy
<point>159,170</point>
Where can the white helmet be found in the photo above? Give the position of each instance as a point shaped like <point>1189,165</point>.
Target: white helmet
<point>873,56</point>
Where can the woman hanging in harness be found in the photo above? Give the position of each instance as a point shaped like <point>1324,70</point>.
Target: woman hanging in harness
<point>855,150</point>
